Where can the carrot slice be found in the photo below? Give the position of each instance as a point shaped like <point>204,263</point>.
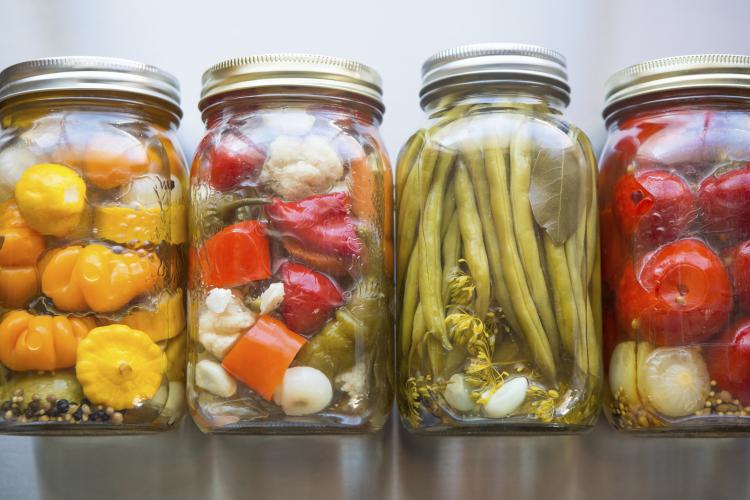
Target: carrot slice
<point>363,190</point>
<point>261,356</point>
<point>329,264</point>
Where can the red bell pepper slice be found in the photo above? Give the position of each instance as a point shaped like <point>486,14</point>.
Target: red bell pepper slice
<point>261,356</point>
<point>234,159</point>
<point>236,255</point>
<point>309,298</point>
<point>321,223</point>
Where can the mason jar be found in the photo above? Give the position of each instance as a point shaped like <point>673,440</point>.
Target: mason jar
<point>497,254</point>
<point>93,234</point>
<point>675,211</point>
<point>290,249</point>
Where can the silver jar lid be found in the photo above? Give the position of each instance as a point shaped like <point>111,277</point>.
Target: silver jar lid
<point>494,62</point>
<point>88,73</point>
<point>296,70</point>
<point>678,73</point>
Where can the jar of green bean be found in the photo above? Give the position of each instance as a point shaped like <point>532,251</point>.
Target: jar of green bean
<point>497,251</point>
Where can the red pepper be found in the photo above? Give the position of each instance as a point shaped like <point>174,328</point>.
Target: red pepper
<point>309,298</point>
<point>236,255</point>
<point>235,159</point>
<point>321,223</point>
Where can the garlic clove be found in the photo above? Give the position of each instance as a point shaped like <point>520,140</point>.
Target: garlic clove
<point>304,390</point>
<point>212,377</point>
<point>507,399</point>
<point>458,393</point>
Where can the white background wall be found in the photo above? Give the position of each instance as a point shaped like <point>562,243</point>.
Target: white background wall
<point>185,37</point>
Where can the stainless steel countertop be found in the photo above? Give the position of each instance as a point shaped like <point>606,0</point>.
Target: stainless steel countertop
<point>185,464</point>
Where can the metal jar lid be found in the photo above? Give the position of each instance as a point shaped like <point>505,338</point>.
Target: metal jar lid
<point>494,62</point>
<point>677,73</point>
<point>90,74</point>
<point>296,70</point>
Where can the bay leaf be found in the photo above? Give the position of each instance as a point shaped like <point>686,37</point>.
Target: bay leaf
<point>558,188</point>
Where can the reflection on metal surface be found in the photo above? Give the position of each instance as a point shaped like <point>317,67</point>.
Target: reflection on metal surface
<point>187,465</point>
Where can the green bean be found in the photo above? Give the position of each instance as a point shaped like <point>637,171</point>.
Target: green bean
<point>436,357</point>
<point>408,216</point>
<point>428,243</point>
<point>449,207</point>
<point>524,225</point>
<point>417,335</point>
<point>520,295</point>
<point>451,252</point>
<point>408,303</point>
<point>473,241</point>
<point>406,161</point>
<point>472,155</point>
<point>565,306</point>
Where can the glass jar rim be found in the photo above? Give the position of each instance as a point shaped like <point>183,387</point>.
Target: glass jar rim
<point>679,73</point>
<point>90,75</point>
<point>292,70</point>
<point>494,63</point>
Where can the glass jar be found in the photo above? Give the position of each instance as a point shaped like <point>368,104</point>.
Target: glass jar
<point>93,234</point>
<point>675,209</point>
<point>497,255</point>
<point>291,249</point>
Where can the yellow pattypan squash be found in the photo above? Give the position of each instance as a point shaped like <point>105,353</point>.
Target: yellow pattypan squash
<point>51,198</point>
<point>140,225</point>
<point>166,322</point>
<point>119,366</point>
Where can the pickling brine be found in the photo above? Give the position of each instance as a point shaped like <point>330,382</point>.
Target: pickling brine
<point>497,251</point>
<point>675,211</point>
<point>291,250</point>
<point>93,230</point>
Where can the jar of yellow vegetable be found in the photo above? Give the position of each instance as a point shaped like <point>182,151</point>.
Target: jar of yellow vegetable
<point>497,250</point>
<point>93,216</point>
<point>291,249</point>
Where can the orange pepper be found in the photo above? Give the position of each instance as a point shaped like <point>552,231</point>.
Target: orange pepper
<point>18,285</point>
<point>262,355</point>
<point>112,159</point>
<point>20,247</point>
<point>94,277</point>
<point>45,343</point>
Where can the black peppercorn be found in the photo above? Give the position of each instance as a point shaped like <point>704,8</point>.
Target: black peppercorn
<point>62,406</point>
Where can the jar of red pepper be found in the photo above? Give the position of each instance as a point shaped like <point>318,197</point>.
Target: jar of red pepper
<point>291,249</point>
<point>675,213</point>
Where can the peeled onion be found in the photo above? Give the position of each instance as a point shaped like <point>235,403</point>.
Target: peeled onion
<point>676,381</point>
<point>304,390</point>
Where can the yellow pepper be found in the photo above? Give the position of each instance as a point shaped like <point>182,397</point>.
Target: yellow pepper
<point>44,343</point>
<point>137,226</point>
<point>94,277</point>
<point>51,198</point>
<point>166,322</point>
<point>20,247</point>
<point>120,367</point>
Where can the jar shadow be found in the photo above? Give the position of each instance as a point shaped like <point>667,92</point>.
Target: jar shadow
<point>313,466</point>
<point>173,464</point>
<point>438,467</point>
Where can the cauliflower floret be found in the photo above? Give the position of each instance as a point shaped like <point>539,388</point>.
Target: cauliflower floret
<point>299,167</point>
<point>353,382</point>
<point>271,298</point>
<point>222,321</point>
